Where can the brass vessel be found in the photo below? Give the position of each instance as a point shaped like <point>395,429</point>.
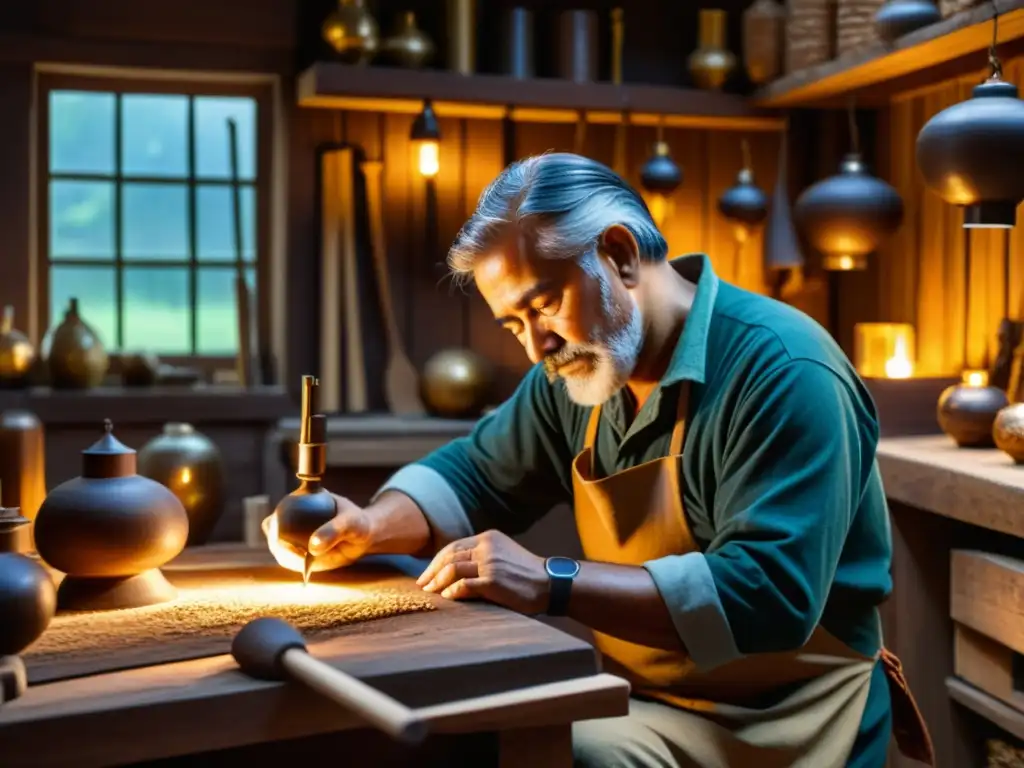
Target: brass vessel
<point>16,352</point>
<point>352,32</point>
<point>711,63</point>
<point>75,355</point>
<point>457,383</point>
<point>1008,431</point>
<point>410,46</point>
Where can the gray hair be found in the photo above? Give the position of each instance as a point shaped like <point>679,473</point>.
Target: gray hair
<point>564,201</point>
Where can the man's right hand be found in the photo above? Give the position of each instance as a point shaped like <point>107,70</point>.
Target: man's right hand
<point>340,542</point>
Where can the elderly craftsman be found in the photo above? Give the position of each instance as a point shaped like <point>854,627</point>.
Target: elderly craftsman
<point>719,452</point>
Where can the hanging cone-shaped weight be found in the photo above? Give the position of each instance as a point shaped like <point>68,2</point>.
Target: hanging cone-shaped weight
<point>781,244</point>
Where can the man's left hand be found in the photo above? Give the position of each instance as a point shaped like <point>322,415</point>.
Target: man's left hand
<point>492,566</point>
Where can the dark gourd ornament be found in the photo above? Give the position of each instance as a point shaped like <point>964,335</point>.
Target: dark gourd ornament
<point>109,531</point>
<point>28,601</point>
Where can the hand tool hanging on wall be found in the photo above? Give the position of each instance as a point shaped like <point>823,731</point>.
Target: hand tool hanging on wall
<point>341,328</point>
<point>619,159</point>
<point>248,333</point>
<point>401,379</point>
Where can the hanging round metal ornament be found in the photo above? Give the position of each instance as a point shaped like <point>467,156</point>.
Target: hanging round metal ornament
<point>847,216</point>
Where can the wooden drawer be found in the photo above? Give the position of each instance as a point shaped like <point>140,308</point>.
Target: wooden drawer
<point>987,595</point>
<point>988,665</point>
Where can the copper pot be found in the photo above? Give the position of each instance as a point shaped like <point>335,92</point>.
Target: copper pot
<point>712,63</point>
<point>352,32</point>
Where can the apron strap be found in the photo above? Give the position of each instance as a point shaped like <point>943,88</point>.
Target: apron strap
<point>591,434</point>
<point>682,411</point>
<point>908,725</point>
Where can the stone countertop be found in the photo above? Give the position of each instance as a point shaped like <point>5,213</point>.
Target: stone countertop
<point>982,487</point>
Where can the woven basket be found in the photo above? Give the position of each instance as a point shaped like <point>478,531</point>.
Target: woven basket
<point>855,24</point>
<point>949,7</point>
<point>810,33</point>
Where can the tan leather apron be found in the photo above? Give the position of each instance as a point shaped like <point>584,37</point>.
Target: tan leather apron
<point>637,515</point>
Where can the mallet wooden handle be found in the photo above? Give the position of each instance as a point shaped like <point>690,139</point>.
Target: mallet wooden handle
<point>378,709</point>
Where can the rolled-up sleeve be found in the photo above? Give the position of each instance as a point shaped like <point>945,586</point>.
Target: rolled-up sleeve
<point>506,474</point>
<point>788,487</point>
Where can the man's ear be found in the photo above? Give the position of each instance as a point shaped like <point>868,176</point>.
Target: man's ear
<point>618,245</point>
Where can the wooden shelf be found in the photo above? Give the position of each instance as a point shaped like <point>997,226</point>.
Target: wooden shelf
<point>151,405</point>
<point>959,35</point>
<point>384,89</point>
<point>981,487</point>
<point>989,707</point>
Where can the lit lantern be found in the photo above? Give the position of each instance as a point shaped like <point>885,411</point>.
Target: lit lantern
<point>884,350</point>
<point>974,378</point>
<point>971,153</point>
<point>660,177</point>
<point>847,216</point>
<point>426,137</point>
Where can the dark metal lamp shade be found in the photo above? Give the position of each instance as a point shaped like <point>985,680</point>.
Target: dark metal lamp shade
<point>425,127</point>
<point>972,154</point>
<point>847,216</point>
<point>897,18</point>
<point>744,203</point>
<point>660,173</point>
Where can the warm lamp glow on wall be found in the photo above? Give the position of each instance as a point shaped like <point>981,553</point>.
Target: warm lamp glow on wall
<point>426,138</point>
<point>884,350</point>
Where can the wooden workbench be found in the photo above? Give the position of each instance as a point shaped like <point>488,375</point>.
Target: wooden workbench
<point>475,668</point>
<point>941,499</point>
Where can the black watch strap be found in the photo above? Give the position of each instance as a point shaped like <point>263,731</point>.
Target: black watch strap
<point>560,584</point>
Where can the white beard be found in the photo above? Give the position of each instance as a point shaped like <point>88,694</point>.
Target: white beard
<point>614,353</point>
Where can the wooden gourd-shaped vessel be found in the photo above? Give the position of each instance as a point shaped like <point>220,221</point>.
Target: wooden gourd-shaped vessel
<point>109,531</point>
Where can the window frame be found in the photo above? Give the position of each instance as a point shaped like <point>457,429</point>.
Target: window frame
<point>261,92</point>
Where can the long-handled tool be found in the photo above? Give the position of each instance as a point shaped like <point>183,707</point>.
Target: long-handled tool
<point>271,649</point>
<point>401,379</point>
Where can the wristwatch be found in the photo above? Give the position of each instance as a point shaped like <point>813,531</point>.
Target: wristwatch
<point>561,572</point>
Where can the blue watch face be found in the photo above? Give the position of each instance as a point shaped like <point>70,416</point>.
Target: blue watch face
<point>562,567</point>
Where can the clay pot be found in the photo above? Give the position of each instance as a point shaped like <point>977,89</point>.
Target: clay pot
<point>1008,431</point>
<point>110,530</point>
<point>28,601</point>
<point>190,465</point>
<point>763,40</point>
<point>352,32</point>
<point>456,383</point>
<point>712,63</point>
<point>410,46</point>
<point>75,356</point>
<point>16,352</point>
<point>967,414</point>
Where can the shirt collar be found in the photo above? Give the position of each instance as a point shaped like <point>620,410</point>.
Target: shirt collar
<point>689,360</point>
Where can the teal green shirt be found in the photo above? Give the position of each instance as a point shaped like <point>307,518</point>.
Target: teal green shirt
<point>782,491</point>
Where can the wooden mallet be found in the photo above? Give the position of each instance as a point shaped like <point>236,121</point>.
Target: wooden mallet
<point>272,649</point>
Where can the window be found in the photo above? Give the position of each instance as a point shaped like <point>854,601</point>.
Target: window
<point>138,206</point>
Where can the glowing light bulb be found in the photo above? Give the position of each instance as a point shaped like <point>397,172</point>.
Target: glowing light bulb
<point>429,158</point>
<point>186,476</point>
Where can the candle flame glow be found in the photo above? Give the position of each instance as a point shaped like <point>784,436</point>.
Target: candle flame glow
<point>975,378</point>
<point>898,366</point>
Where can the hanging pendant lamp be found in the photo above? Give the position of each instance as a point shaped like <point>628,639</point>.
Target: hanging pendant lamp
<point>897,18</point>
<point>847,216</point>
<point>781,244</point>
<point>744,205</point>
<point>971,154</point>
<point>660,177</point>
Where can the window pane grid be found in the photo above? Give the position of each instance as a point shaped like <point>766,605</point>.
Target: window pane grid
<point>172,292</point>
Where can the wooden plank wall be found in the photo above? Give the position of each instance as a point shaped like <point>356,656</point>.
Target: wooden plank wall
<point>920,273</point>
<point>432,313</point>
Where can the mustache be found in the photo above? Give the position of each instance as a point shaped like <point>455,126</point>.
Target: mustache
<point>563,357</point>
